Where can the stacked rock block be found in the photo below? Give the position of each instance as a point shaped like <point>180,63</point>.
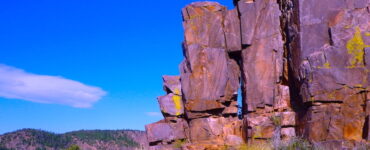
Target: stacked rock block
<point>201,108</point>
<point>173,128</point>
<point>330,63</point>
<point>266,99</point>
<point>210,77</point>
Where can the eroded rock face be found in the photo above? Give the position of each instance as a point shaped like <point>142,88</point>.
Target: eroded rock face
<point>166,132</point>
<point>173,128</point>
<point>171,105</point>
<point>171,84</point>
<point>263,59</point>
<point>266,91</point>
<point>209,77</point>
<point>209,82</point>
<point>302,65</point>
<point>329,66</point>
<point>216,129</point>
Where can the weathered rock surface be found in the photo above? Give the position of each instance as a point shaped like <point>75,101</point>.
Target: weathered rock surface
<point>172,84</point>
<point>216,129</point>
<point>302,66</point>
<point>232,31</point>
<point>171,105</point>
<point>209,81</point>
<point>329,66</point>
<point>209,77</point>
<point>263,59</point>
<point>266,92</point>
<point>166,131</point>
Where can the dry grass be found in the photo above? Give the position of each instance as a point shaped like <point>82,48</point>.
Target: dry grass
<point>256,146</point>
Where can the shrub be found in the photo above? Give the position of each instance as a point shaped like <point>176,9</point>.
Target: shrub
<point>296,143</point>
<point>73,147</point>
<point>256,146</point>
<point>179,143</point>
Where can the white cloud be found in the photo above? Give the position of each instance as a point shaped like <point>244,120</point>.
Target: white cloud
<point>18,84</point>
<point>154,114</point>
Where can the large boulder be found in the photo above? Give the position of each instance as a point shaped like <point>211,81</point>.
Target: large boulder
<point>171,105</point>
<point>204,73</point>
<point>166,131</point>
<point>215,129</point>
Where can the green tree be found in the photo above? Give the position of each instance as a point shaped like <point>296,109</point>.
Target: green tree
<point>73,147</point>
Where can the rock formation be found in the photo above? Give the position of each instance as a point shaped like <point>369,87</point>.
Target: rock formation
<point>330,70</point>
<point>302,67</point>
<point>265,72</point>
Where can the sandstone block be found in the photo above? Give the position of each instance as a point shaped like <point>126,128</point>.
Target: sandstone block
<point>234,140</point>
<point>163,131</point>
<point>288,118</point>
<point>171,105</point>
<point>232,31</point>
<point>203,24</point>
<point>206,129</point>
<point>232,109</point>
<point>214,129</point>
<point>172,84</point>
<point>282,99</point>
<point>287,133</point>
<point>204,73</point>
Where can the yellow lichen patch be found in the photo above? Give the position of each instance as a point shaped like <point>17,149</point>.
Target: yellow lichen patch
<point>312,98</point>
<point>348,26</point>
<point>176,91</point>
<point>211,8</point>
<point>325,66</point>
<point>358,85</point>
<point>355,47</point>
<point>334,95</point>
<point>331,95</point>
<point>198,12</point>
<point>257,133</point>
<point>194,27</point>
<point>177,101</point>
<point>191,17</point>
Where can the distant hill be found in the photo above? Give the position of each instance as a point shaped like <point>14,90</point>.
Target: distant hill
<point>32,139</point>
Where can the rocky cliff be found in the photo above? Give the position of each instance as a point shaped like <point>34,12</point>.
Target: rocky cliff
<point>302,67</point>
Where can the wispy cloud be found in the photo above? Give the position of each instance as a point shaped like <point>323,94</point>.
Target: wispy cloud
<point>154,114</point>
<point>18,84</point>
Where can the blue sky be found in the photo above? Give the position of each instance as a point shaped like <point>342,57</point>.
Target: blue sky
<point>109,54</point>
